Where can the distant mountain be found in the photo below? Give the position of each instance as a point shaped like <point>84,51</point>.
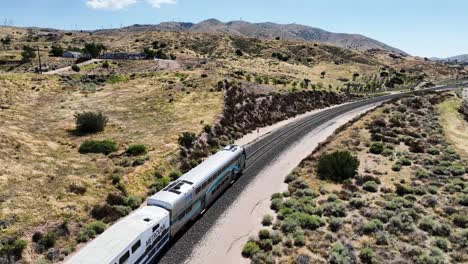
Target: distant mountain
<point>460,58</point>
<point>271,31</point>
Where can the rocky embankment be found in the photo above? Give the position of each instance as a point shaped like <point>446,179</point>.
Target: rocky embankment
<point>244,112</point>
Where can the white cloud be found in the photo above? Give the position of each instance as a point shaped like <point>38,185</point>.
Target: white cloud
<point>121,4</point>
<point>158,3</point>
<point>110,4</point>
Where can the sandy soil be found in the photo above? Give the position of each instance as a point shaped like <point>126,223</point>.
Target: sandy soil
<point>224,242</point>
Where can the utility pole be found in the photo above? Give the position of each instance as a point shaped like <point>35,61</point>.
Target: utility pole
<point>39,57</point>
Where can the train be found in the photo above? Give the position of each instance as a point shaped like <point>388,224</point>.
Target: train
<point>140,237</point>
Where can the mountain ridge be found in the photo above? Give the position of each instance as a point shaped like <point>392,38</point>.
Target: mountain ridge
<point>270,30</point>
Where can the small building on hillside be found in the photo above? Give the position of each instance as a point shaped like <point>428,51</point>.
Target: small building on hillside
<point>124,56</point>
<point>72,54</point>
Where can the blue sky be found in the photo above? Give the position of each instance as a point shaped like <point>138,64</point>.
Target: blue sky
<point>420,27</point>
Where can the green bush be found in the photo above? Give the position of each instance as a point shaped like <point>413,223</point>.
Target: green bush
<point>396,167</point>
<point>75,68</point>
<point>435,256</point>
<point>405,162</point>
<point>372,226</point>
<point>267,220</point>
<point>341,254</point>
<point>136,150</point>
<point>337,209</point>
<point>381,238</point>
<point>49,239</point>
<point>337,166</point>
<point>457,170</point>
<point>376,148</point>
<point>95,146</point>
<point>387,153</point>
<point>402,223</point>
<point>357,203</point>
<point>366,255</point>
<point>441,243</point>
<point>276,195</point>
<point>186,139</point>
<point>370,186</point>
<point>276,204</point>
<point>289,225</point>
<point>433,151</point>
<point>463,200</point>
<point>299,238</point>
<point>90,122</point>
<point>335,223</point>
<point>264,234</point>
<point>460,220</point>
<point>174,175</point>
<point>403,189</point>
<point>12,247</point>
<point>250,248</point>
<point>97,226</point>
<point>133,201</point>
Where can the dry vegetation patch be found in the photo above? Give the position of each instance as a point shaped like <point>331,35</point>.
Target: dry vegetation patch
<point>406,204</point>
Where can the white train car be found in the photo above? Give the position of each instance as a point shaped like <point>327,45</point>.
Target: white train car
<point>136,239</point>
<point>139,237</point>
<point>188,196</point>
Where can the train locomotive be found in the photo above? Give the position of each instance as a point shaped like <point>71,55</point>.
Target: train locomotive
<point>139,237</point>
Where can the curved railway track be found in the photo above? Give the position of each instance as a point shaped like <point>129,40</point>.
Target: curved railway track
<point>259,154</point>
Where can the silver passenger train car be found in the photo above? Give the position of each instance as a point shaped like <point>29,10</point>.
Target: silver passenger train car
<point>139,237</point>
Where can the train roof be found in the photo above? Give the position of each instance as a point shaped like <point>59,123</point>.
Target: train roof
<point>119,237</point>
<point>178,189</point>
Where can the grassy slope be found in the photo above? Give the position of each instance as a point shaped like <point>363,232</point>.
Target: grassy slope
<point>41,155</point>
<point>455,127</point>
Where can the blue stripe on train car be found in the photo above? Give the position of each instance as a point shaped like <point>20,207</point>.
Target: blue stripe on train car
<point>220,178</point>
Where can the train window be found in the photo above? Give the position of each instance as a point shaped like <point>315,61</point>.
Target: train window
<point>124,258</point>
<point>187,211</point>
<point>198,190</point>
<point>155,227</point>
<point>181,216</point>
<point>136,246</point>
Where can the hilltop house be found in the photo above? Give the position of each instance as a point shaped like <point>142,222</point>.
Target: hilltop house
<point>124,56</point>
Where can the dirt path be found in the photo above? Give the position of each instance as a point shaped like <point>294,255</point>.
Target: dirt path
<point>224,242</point>
<point>66,69</point>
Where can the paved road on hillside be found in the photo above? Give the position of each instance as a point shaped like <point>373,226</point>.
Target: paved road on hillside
<point>260,154</point>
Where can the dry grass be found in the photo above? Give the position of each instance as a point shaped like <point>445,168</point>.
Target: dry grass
<point>41,157</point>
<point>455,127</point>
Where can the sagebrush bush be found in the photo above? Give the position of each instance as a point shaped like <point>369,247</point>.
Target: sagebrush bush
<point>75,68</point>
<point>136,150</point>
<point>267,220</point>
<point>341,254</point>
<point>337,166</point>
<point>370,186</point>
<point>12,248</point>
<point>366,255</point>
<point>105,147</point>
<point>186,139</point>
<point>372,226</point>
<point>250,248</point>
<point>376,148</point>
<point>90,122</point>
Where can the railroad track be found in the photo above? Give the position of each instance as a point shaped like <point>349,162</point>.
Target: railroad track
<point>259,155</point>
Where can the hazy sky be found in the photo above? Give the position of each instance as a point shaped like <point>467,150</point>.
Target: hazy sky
<point>420,27</point>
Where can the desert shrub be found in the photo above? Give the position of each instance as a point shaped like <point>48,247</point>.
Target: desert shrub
<point>262,258</point>
<point>405,162</point>
<point>307,221</point>
<point>381,238</point>
<point>441,243</point>
<point>337,166</point>
<point>276,237</point>
<point>115,199</point>
<point>335,223</point>
<point>12,247</point>
<point>267,220</point>
<point>366,255</point>
<point>429,200</point>
<point>90,122</point>
<point>299,238</point>
<point>341,254</point>
<point>276,204</point>
<point>463,199</point>
<point>428,224</point>
<point>372,226</point>
<point>136,150</point>
<point>421,174</point>
<point>285,212</point>
<point>460,220</point>
<point>77,189</point>
<point>403,189</point>
<point>402,222</point>
<point>396,167</point>
<point>75,68</point>
<point>276,195</point>
<point>289,225</point>
<point>336,209</point>
<point>387,152</point>
<point>250,248</point>
<point>435,256</point>
<point>433,151</point>
<point>186,139</point>
<point>85,235</point>
<point>303,259</point>
<point>376,148</point>
<point>97,146</point>
<point>97,226</point>
<point>371,186</point>
<point>133,201</point>
<point>49,239</point>
<point>357,203</point>
<point>174,175</point>
<point>457,170</point>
